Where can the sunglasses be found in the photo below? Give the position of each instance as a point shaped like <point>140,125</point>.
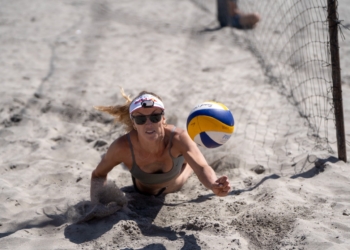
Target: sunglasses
<point>141,119</point>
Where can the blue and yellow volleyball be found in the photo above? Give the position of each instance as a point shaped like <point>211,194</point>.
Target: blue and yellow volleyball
<point>210,124</point>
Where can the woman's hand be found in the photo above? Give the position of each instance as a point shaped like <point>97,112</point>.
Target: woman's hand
<point>221,187</point>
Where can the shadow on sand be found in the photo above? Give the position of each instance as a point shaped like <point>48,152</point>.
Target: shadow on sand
<point>317,165</point>
<point>142,210</point>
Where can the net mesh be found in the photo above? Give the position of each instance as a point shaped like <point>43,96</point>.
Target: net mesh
<point>292,44</point>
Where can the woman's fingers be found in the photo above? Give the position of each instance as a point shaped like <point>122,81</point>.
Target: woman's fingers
<point>223,181</point>
<point>221,186</point>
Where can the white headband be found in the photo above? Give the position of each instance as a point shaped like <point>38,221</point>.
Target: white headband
<point>145,101</point>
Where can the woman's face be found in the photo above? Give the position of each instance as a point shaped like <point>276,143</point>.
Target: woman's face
<point>152,127</point>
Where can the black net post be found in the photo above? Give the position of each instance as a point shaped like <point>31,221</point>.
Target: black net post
<point>333,23</point>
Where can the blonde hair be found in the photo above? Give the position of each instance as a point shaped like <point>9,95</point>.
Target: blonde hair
<point>121,112</point>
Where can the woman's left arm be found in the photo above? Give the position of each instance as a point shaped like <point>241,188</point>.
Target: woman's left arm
<point>205,173</point>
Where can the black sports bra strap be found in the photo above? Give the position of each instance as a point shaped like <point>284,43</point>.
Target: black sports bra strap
<point>131,148</point>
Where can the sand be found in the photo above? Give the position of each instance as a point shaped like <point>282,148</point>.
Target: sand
<point>61,58</point>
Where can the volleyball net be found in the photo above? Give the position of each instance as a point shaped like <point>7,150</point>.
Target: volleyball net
<point>296,42</point>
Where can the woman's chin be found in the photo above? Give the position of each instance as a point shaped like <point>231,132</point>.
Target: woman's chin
<point>151,136</point>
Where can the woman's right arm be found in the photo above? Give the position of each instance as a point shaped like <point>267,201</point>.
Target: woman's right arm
<point>107,163</point>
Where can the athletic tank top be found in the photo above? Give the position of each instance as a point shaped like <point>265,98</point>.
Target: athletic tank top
<point>158,178</point>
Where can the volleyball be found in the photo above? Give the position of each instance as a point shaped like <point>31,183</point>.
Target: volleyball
<point>210,124</point>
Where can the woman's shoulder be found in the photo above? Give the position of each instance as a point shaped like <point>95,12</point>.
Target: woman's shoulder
<point>178,134</point>
<point>117,151</point>
<point>172,130</point>
<point>120,143</point>
<point>182,142</point>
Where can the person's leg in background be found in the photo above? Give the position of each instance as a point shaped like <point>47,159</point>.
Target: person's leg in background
<point>230,15</point>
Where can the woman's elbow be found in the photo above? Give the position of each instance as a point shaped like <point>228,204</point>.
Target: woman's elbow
<point>95,174</point>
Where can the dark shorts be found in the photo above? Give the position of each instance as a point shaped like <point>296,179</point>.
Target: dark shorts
<point>235,23</point>
<point>223,15</point>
